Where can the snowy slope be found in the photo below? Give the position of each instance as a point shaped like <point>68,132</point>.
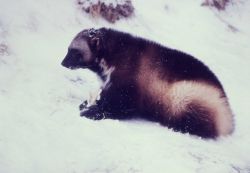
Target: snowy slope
<point>40,127</point>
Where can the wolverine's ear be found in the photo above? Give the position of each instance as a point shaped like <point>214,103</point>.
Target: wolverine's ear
<point>95,43</point>
<point>95,38</point>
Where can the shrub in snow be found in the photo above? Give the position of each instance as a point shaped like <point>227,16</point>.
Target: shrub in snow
<point>219,4</point>
<point>111,10</point>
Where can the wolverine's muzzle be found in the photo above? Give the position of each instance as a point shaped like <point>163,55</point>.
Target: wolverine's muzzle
<point>73,60</point>
<point>67,63</point>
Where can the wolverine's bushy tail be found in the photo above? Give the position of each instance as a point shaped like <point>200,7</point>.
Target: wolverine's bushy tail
<point>198,108</point>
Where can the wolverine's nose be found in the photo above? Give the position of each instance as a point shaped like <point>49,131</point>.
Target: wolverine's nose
<point>64,63</point>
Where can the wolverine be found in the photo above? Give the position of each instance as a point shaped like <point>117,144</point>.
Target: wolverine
<point>143,78</point>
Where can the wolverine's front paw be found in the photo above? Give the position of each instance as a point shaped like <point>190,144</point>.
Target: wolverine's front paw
<point>84,105</point>
<point>94,113</point>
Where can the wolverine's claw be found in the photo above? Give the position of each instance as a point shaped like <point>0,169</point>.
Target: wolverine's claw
<point>84,105</point>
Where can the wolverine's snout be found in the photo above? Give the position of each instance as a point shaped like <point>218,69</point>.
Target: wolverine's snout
<point>70,61</point>
<point>65,63</point>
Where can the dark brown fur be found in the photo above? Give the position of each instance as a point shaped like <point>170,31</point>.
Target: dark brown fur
<point>155,82</point>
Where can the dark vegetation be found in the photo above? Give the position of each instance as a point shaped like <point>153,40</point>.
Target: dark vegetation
<point>109,11</point>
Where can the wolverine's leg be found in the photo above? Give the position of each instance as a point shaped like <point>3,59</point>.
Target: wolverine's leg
<point>114,103</point>
<point>95,112</point>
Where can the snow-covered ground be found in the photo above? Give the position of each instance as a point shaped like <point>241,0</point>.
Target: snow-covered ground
<point>40,127</point>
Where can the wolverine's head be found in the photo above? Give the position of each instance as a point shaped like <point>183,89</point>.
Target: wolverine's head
<point>85,50</point>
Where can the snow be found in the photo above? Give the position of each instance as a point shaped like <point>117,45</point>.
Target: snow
<point>40,128</point>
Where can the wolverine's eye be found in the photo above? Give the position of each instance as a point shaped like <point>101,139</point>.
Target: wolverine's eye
<point>75,53</point>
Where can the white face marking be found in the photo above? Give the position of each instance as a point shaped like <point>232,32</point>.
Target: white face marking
<point>83,47</point>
